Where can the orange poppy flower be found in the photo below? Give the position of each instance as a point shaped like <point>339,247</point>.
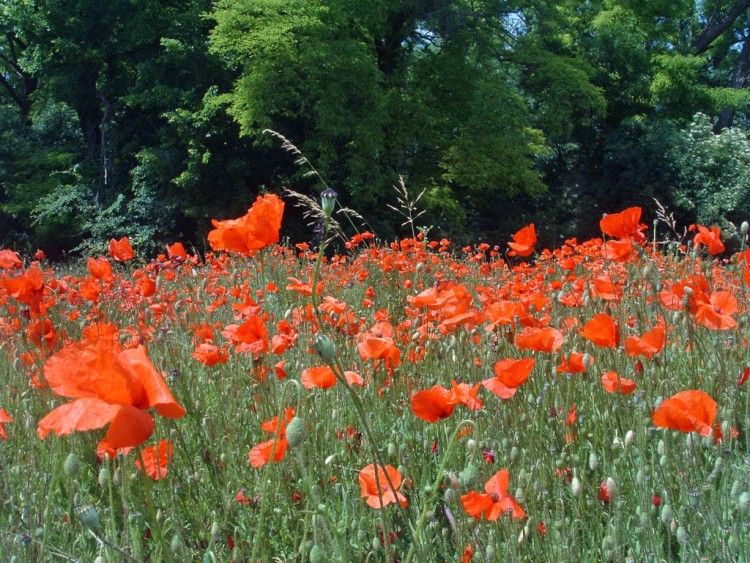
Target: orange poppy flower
<point>258,228</point>
<point>100,269</point>
<point>4,419</point>
<point>10,260</point>
<point>523,241</point>
<point>438,402</point>
<point>602,331</point>
<point>156,459</point>
<point>110,386</point>
<point>619,250</point>
<point>372,347</point>
<point>176,251</point>
<point>710,238</point>
<point>687,411</point>
<point>261,454</point>
<point>716,312</point>
<point>647,345</point>
<point>496,500</point>
<point>545,339</point>
<point>509,375</point>
<point>121,250</point>
<point>28,288</point>
<point>624,224</point>
<point>209,354</point>
<point>574,363</point>
<point>249,337</point>
<point>371,482</point>
<point>613,383</point>
<point>321,376</point>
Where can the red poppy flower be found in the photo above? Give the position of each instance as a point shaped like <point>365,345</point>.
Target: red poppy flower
<point>509,375</point>
<point>647,345</point>
<point>28,288</point>
<point>495,502</point>
<point>262,453</point>
<point>121,250</point>
<point>258,228</point>
<point>372,347</point>
<point>716,312</point>
<point>156,459</point>
<point>371,482</point>
<point>545,339</point>
<point>176,251</point>
<point>602,331</point>
<point>100,269</point>
<point>624,224</point>
<point>523,241</point>
<point>209,354</point>
<point>711,238</point>
<point>110,386</point>
<point>574,363</point>
<point>438,402</point>
<point>321,376</point>
<point>687,411</point>
<point>604,492</point>
<point>4,419</point>
<point>613,383</point>
<point>9,259</point>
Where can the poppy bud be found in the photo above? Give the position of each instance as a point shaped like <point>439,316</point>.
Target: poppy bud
<point>296,433</point>
<point>328,201</point>
<point>593,461</point>
<point>72,465</point>
<point>324,347</point>
<point>629,436</point>
<point>176,544</point>
<point>89,517</point>
<point>215,532</point>
<point>734,492</point>
<point>611,487</point>
<point>104,477</point>
<point>666,513</point>
<point>744,227</point>
<point>468,477</point>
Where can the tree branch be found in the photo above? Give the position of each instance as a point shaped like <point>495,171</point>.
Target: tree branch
<point>718,25</point>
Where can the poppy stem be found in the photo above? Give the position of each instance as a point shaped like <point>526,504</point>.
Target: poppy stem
<point>435,487</point>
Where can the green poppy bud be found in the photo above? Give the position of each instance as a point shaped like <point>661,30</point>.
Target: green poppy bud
<point>89,517</point>
<point>324,347</point>
<point>328,201</point>
<point>296,432</point>
<point>72,465</point>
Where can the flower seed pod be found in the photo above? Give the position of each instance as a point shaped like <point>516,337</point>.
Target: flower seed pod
<point>72,465</point>
<point>89,517</point>
<point>105,479</point>
<point>744,502</point>
<point>324,348</point>
<point>328,201</point>
<point>666,513</point>
<point>296,432</point>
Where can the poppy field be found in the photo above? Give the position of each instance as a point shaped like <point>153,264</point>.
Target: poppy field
<point>394,401</point>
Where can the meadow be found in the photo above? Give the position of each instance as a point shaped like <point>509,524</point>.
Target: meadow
<point>395,401</point>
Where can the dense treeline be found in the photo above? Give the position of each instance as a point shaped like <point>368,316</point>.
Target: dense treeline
<point>146,118</point>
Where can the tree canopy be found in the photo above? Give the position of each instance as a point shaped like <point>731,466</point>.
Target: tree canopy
<point>147,119</point>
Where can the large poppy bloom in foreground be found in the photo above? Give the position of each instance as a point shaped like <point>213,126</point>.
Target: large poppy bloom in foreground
<point>258,228</point>
<point>687,411</point>
<point>110,386</point>
<point>495,502</point>
<point>370,485</point>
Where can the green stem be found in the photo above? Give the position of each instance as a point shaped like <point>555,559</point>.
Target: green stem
<point>428,501</point>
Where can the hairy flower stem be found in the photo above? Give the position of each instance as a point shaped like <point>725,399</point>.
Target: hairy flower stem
<point>433,493</point>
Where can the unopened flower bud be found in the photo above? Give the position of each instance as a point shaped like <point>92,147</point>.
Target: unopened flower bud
<point>744,502</point>
<point>328,201</point>
<point>72,465</point>
<point>575,487</point>
<point>593,461</point>
<point>324,347</point>
<point>296,433</point>
<point>744,227</point>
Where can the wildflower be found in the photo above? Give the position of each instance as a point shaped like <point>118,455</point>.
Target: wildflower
<point>120,250</point>
<point>687,411</point>
<point>495,502</point>
<point>613,383</point>
<point>110,386</point>
<point>4,419</point>
<point>545,339</point>
<point>625,224</point>
<point>258,228</point>
<point>209,354</point>
<point>523,242</point>
<point>509,375</point>
<point>710,238</point>
<point>602,330</point>
<point>375,486</point>
<point>716,312</point>
<point>275,448</point>
<point>647,345</point>
<point>176,252</point>
<point>156,459</point>
<point>438,402</point>
<point>10,260</point>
